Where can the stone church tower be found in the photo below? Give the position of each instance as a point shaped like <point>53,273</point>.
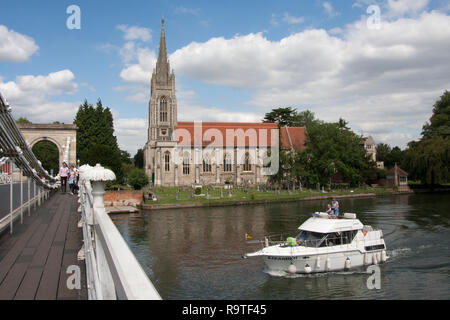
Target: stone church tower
<point>181,153</point>
<point>162,115</point>
<point>163,102</point>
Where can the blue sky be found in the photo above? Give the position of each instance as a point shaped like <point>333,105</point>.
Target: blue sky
<point>234,61</point>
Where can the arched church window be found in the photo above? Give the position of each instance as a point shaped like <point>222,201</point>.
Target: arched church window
<point>186,164</point>
<point>206,164</point>
<point>167,161</point>
<point>247,162</point>
<point>227,163</point>
<point>163,110</point>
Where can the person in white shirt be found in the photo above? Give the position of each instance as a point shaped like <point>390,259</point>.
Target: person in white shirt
<point>63,174</point>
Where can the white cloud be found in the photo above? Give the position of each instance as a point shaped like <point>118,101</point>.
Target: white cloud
<point>335,30</point>
<point>388,76</point>
<point>29,95</point>
<point>214,114</point>
<point>141,71</point>
<point>183,10</point>
<point>328,7</point>
<point>15,47</point>
<point>131,133</point>
<point>291,19</point>
<point>384,82</point>
<point>275,19</point>
<point>132,33</point>
<point>402,7</point>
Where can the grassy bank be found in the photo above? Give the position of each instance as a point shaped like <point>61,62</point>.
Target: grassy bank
<point>168,196</point>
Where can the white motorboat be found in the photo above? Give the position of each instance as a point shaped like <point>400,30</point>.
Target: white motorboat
<point>325,243</point>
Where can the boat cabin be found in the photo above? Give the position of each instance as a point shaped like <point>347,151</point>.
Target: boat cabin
<point>320,231</point>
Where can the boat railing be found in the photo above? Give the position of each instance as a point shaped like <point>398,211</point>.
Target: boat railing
<point>316,243</point>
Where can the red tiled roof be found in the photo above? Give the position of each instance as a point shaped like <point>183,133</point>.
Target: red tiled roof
<point>240,134</point>
<point>293,137</point>
<point>400,172</point>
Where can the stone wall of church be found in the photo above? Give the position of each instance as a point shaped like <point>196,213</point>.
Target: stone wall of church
<point>174,173</point>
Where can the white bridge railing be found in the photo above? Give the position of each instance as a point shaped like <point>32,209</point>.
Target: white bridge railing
<point>33,199</point>
<point>112,270</point>
<point>15,151</point>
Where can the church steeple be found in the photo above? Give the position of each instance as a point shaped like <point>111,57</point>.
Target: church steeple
<point>163,100</point>
<point>162,65</point>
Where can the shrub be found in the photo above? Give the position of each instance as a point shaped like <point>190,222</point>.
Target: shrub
<point>198,191</point>
<point>137,178</point>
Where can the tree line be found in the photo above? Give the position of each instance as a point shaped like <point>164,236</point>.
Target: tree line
<point>333,149</point>
<point>96,143</point>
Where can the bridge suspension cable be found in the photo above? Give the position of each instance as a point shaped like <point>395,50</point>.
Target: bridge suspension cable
<point>13,147</point>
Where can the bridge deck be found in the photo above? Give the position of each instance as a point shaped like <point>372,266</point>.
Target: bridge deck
<point>34,259</point>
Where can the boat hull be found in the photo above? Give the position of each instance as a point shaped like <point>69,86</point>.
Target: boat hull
<point>338,261</point>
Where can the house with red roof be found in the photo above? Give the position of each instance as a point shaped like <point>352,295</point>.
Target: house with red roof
<point>181,153</point>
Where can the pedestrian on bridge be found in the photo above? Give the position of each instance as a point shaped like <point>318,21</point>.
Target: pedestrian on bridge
<point>72,177</point>
<point>63,174</point>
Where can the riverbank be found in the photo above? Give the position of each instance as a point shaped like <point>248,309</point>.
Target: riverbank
<point>168,199</point>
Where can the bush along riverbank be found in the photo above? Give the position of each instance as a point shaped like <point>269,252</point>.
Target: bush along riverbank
<point>172,197</point>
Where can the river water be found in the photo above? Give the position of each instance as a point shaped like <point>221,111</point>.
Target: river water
<point>196,253</point>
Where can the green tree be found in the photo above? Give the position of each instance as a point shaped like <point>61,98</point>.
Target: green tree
<point>331,148</point>
<point>96,142</point>
<point>137,178</point>
<point>23,120</point>
<point>439,124</point>
<point>125,157</point>
<point>429,159</point>
<point>394,157</point>
<point>284,117</point>
<point>305,119</point>
<point>383,151</point>
<point>289,117</point>
<point>139,159</point>
<point>47,152</point>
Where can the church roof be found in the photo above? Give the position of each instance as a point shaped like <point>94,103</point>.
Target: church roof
<point>400,172</point>
<point>293,137</point>
<point>240,134</point>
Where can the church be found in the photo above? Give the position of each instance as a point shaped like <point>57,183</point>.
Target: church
<point>180,153</point>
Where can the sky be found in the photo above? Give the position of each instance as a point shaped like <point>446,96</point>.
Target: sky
<point>380,64</point>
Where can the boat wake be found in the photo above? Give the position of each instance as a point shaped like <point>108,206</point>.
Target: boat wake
<point>283,274</point>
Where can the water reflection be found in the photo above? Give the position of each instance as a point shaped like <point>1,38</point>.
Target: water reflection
<point>196,253</point>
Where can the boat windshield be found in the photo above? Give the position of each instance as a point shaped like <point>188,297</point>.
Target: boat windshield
<point>316,239</point>
<point>310,239</point>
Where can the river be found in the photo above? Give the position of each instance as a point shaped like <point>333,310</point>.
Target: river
<point>196,253</point>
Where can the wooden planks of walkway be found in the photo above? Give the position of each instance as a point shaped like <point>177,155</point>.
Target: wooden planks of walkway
<point>35,258</point>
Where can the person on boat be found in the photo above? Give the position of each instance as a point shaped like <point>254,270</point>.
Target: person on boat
<point>335,207</point>
<point>330,210</point>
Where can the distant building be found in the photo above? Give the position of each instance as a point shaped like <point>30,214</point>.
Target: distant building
<point>397,177</point>
<point>371,149</point>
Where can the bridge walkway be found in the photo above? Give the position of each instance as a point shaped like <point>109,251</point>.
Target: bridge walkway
<point>35,258</point>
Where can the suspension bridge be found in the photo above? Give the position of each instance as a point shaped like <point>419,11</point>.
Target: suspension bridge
<point>55,245</point>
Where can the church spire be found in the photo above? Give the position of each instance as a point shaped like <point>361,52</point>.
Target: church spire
<point>162,57</point>
<point>162,65</point>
